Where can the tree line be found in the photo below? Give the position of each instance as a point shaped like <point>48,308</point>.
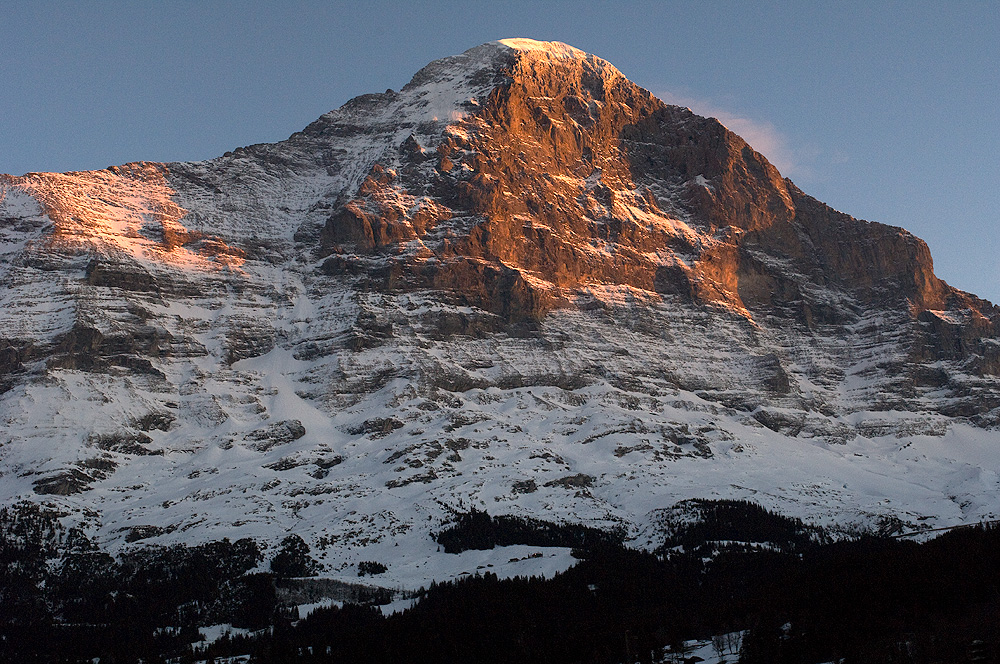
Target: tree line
<point>800,597</point>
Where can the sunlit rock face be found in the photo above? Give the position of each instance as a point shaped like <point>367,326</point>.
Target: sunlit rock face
<point>523,284</point>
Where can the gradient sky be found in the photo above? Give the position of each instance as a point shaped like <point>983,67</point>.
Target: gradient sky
<point>888,113</point>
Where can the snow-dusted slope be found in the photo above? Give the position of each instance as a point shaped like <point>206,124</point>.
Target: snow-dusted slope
<point>520,284</point>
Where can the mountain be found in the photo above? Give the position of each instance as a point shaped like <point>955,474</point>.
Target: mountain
<point>522,285</point>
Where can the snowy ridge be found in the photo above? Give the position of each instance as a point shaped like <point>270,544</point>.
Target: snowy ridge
<point>552,49</point>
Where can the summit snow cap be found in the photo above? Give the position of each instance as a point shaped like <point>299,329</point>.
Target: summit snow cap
<point>551,51</point>
<point>553,48</point>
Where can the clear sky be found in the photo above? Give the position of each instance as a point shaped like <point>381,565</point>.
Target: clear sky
<point>886,111</point>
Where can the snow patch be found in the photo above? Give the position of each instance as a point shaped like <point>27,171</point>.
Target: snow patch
<point>551,48</point>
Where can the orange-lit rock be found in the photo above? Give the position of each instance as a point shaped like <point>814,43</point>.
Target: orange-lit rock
<point>570,175</point>
<point>123,210</point>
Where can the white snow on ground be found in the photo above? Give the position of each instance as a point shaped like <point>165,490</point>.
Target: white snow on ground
<point>386,496</point>
<point>599,453</point>
<point>306,609</point>
<point>718,650</point>
<point>213,633</point>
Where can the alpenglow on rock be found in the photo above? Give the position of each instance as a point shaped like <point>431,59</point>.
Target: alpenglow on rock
<point>521,284</point>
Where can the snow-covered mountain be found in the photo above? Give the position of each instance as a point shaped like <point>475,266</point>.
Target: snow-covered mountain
<point>521,284</point>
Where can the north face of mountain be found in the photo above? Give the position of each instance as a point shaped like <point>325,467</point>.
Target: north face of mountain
<point>569,174</point>
<point>521,284</point>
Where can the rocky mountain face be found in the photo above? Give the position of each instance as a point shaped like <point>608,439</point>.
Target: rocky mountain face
<point>521,284</point>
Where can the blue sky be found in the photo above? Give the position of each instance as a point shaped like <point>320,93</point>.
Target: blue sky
<point>888,113</point>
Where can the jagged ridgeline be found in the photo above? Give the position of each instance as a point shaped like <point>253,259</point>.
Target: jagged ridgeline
<point>520,287</point>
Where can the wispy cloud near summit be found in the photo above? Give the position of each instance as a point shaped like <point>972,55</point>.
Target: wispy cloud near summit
<point>762,136</point>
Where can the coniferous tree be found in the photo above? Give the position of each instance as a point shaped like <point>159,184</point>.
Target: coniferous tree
<point>293,560</point>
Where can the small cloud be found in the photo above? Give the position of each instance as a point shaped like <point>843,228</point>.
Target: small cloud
<point>762,136</point>
<point>840,157</point>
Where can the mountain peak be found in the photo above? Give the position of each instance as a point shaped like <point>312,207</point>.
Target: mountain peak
<point>521,281</point>
<point>551,48</point>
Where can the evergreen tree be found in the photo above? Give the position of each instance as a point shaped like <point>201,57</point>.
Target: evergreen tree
<point>293,559</point>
